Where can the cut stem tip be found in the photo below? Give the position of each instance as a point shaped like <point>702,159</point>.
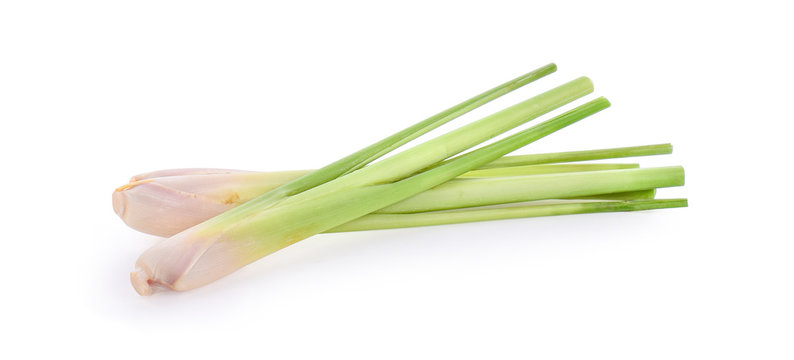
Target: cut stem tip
<point>140,281</point>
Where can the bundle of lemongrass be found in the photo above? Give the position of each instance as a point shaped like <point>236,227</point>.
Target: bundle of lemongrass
<point>218,221</point>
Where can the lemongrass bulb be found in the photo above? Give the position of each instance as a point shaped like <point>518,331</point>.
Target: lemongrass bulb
<point>166,205</point>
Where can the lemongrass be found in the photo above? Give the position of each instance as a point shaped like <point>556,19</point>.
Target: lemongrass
<point>504,161</point>
<point>166,205</point>
<point>435,151</point>
<point>394,221</point>
<point>490,191</point>
<point>647,194</point>
<point>524,170</point>
<point>225,243</point>
<point>586,155</point>
<point>166,202</point>
<point>373,152</point>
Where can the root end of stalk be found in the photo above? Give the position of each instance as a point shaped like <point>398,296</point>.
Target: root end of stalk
<point>140,281</point>
<point>119,203</point>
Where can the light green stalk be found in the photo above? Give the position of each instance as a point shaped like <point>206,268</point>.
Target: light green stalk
<point>166,202</point>
<point>335,208</point>
<point>504,161</point>
<point>543,169</point>
<point>571,156</point>
<point>625,196</point>
<point>456,111</point>
<point>222,245</point>
<point>376,150</point>
<point>436,150</point>
<point>394,221</point>
<point>490,191</point>
<point>166,205</point>
<point>171,203</point>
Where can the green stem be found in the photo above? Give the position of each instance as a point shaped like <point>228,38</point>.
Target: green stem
<point>378,149</point>
<point>543,169</point>
<point>306,216</point>
<point>436,150</point>
<point>571,156</point>
<point>490,191</point>
<point>456,141</point>
<point>393,221</point>
<point>456,111</point>
<point>647,194</point>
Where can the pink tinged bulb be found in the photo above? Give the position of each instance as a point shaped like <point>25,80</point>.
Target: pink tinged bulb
<point>205,253</point>
<point>163,203</point>
<point>158,209</point>
<point>184,262</point>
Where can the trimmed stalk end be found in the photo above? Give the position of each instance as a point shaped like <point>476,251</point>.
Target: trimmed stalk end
<point>119,203</point>
<point>140,281</point>
<point>638,205</point>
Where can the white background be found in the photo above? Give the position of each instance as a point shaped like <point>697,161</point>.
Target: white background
<point>92,92</point>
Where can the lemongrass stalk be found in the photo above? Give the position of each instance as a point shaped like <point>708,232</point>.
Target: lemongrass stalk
<point>431,152</point>
<point>543,169</point>
<point>224,244</point>
<point>459,110</point>
<point>454,142</point>
<point>378,149</point>
<point>505,161</point>
<point>164,206</point>
<point>489,191</point>
<point>394,221</point>
<point>571,156</point>
<point>168,204</point>
<point>338,207</point>
<point>647,194</point>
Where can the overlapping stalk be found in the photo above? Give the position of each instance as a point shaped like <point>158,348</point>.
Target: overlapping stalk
<point>373,152</point>
<point>166,202</point>
<point>479,192</point>
<point>431,183</point>
<point>167,205</point>
<point>225,243</point>
<point>396,221</point>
